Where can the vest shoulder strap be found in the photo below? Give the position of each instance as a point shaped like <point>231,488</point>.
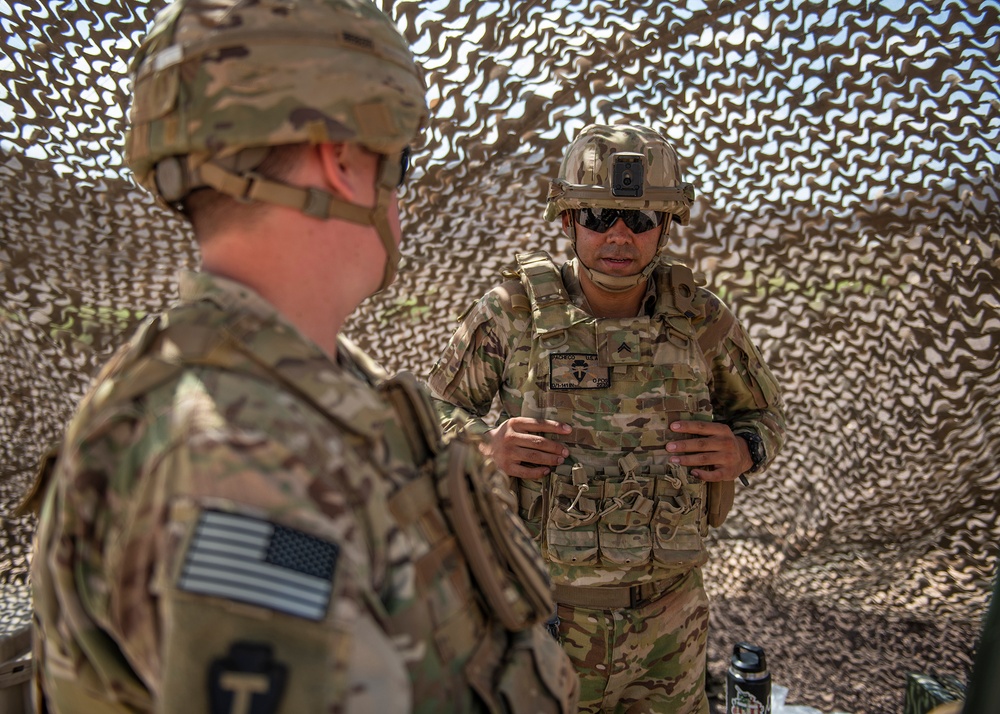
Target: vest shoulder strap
<point>552,311</point>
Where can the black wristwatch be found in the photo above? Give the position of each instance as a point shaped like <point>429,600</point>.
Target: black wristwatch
<point>757,452</point>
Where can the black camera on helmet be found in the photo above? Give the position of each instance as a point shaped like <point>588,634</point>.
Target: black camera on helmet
<point>627,174</point>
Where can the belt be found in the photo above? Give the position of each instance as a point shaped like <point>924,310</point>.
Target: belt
<point>614,597</point>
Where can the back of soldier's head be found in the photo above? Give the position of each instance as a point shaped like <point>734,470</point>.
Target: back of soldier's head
<point>218,83</point>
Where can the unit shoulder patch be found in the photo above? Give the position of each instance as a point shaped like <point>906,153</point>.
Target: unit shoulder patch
<point>247,680</point>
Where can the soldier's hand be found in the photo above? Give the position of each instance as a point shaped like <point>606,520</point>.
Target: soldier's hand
<point>715,453</point>
<point>519,450</point>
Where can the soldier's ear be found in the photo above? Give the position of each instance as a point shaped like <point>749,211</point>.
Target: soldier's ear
<point>565,221</point>
<point>343,169</point>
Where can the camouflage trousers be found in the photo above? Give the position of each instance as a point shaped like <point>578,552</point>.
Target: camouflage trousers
<point>651,658</point>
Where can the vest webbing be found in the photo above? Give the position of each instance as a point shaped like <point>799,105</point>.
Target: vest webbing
<point>552,311</point>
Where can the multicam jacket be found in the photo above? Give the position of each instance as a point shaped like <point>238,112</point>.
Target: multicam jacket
<point>237,523</point>
<point>617,511</point>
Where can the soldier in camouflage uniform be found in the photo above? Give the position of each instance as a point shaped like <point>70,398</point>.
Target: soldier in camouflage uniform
<point>247,515</point>
<point>631,400</point>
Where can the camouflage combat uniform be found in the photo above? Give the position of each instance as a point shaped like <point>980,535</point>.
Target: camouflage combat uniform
<point>238,524</point>
<point>621,528</point>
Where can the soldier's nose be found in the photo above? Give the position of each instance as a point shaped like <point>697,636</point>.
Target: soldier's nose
<point>618,233</point>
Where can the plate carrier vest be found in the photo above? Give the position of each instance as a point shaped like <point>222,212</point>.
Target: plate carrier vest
<point>617,503</point>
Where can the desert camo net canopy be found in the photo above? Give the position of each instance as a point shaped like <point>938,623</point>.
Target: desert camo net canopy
<point>846,158</point>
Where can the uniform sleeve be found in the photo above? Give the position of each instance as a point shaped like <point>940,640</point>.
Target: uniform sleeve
<point>77,657</point>
<point>227,568</point>
<point>470,371</point>
<point>271,580</point>
<point>745,394</point>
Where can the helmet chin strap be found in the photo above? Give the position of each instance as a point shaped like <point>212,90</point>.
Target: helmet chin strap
<point>623,283</point>
<point>250,186</point>
<point>380,219</point>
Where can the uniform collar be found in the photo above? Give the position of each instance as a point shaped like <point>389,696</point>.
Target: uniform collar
<point>230,295</point>
<point>266,333</point>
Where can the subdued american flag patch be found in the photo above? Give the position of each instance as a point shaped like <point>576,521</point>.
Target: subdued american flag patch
<point>255,561</point>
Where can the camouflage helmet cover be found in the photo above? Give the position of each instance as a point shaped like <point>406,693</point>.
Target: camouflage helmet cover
<point>214,77</point>
<point>585,173</point>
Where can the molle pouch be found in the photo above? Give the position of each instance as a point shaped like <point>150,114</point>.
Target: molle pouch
<point>531,506</point>
<point>679,520</point>
<point>721,495</point>
<point>499,551</point>
<point>481,508</point>
<point>624,534</point>
<point>571,527</point>
<point>537,677</point>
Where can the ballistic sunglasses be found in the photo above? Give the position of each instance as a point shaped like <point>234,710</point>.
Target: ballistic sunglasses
<point>393,175</point>
<point>404,165</point>
<point>600,220</point>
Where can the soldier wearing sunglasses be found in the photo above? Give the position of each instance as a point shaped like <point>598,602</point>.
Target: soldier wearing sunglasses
<point>631,401</point>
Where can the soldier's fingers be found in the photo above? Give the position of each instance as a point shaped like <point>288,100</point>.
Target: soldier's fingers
<point>530,472</point>
<point>699,427</point>
<point>539,443</point>
<point>539,426</point>
<point>707,458</point>
<point>712,474</point>
<point>537,456</point>
<point>687,446</point>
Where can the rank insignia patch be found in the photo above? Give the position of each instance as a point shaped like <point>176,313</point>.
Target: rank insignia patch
<point>621,346</point>
<point>577,371</point>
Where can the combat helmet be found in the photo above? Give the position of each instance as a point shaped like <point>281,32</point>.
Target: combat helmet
<point>216,83</point>
<point>625,167</point>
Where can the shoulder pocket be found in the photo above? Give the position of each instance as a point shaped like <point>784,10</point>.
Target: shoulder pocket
<point>752,370</point>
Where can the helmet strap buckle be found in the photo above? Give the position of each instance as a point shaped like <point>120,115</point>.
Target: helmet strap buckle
<point>317,203</point>
<point>251,181</point>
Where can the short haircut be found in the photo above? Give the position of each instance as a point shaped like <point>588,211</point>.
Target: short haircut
<point>209,210</point>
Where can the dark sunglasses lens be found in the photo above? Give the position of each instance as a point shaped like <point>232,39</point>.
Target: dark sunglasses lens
<point>600,220</point>
<point>596,219</point>
<point>641,221</point>
<point>404,166</point>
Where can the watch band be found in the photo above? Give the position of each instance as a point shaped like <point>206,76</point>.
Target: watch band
<point>756,446</point>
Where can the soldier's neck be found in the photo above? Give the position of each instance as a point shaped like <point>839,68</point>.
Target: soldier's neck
<point>604,303</point>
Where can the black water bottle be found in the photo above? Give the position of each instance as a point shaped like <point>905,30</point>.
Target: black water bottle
<point>748,683</point>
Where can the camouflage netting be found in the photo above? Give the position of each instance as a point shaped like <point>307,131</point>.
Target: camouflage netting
<point>846,157</point>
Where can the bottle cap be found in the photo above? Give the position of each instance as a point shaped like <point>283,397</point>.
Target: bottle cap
<point>748,658</point>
